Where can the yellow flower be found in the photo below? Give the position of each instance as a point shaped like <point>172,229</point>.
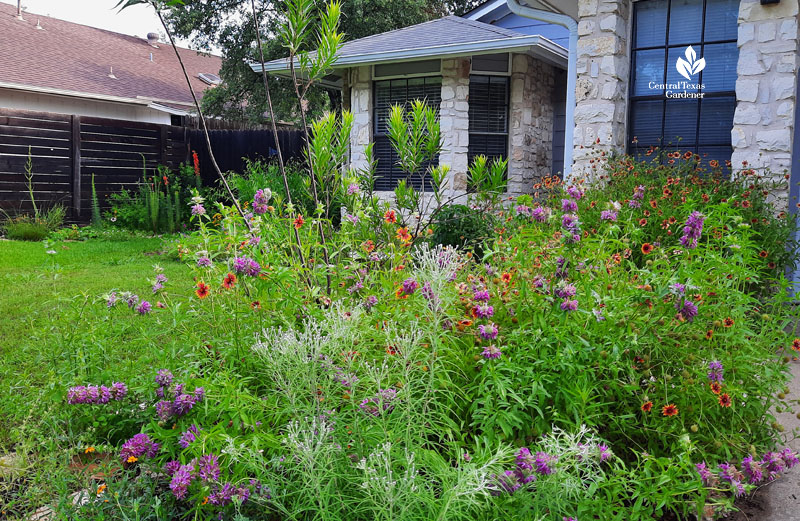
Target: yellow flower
<point>88,450</point>
<point>132,459</point>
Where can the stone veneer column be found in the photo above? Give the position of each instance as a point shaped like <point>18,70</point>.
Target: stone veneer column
<point>360,90</point>
<point>601,91</point>
<point>531,125</point>
<point>763,123</point>
<point>454,121</point>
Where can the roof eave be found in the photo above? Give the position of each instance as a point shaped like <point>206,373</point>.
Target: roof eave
<point>554,53</point>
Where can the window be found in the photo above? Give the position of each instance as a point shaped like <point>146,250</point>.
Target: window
<point>488,116</point>
<point>662,32</point>
<point>398,92</point>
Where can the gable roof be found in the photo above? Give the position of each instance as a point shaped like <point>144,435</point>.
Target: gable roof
<point>76,60</point>
<point>448,36</point>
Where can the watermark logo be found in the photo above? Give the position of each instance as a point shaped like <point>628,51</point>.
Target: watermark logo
<point>689,68</point>
<point>691,65</point>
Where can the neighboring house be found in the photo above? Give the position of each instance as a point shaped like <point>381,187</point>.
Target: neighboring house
<point>500,82</point>
<point>49,65</point>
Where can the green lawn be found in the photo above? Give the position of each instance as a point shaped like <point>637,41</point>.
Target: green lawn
<point>55,331</point>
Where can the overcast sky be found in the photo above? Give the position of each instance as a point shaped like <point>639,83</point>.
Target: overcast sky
<point>137,20</point>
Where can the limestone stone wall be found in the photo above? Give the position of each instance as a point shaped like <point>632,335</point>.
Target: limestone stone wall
<point>530,130</point>
<point>601,91</point>
<point>766,87</point>
<point>358,85</point>
<point>454,121</point>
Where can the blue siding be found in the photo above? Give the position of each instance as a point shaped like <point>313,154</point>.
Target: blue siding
<point>556,33</point>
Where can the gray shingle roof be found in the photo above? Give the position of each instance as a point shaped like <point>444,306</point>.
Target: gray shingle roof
<point>451,35</point>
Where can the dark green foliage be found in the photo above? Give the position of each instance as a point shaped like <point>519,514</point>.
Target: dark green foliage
<point>461,226</point>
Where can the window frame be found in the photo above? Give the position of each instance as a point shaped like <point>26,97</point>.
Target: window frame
<point>665,142</point>
<point>507,133</point>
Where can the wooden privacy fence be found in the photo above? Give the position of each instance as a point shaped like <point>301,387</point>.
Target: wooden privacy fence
<point>232,146</point>
<point>65,151</point>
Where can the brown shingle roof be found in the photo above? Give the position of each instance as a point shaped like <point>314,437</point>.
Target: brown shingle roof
<point>73,57</point>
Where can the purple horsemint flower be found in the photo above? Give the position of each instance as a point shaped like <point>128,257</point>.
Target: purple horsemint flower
<point>575,193</point>
<point>410,286</point>
<point>693,230</point>
<point>481,295</point>
<point>491,352</point>
<point>562,268</point>
<point>352,188</point>
<point>604,452</point>
<point>679,288</point>
<point>246,266</point>
<point>569,206</point>
<point>715,371</point>
<point>171,467</point>
<point>181,479</point>
<point>525,210</point>
<point>569,305</point>
<point>539,214</point>
<point>525,460</point>
<point>773,463</point>
<point>789,458</point>
<point>254,240</point>
<point>638,193</point>
<point>370,302</point>
<point>262,197</point>
<point>203,262</point>
<point>688,310</point>
<point>132,300</point>
<point>198,209</point>
<point>705,474</point>
<point>429,295</point>
<point>188,436</point>
<point>355,288</point>
<point>752,469</point>
<point>732,475</point>
<point>164,378</point>
<point>118,391</point>
<point>488,332</point>
<point>144,308</point>
<point>208,468</point>
<point>507,482</point>
<point>544,463</point>
<point>96,395</point>
<point>161,278</point>
<point>565,290</point>
<point>570,222</point>
<point>137,447</point>
<point>634,204</point>
<point>608,215</point>
<point>164,410</point>
<point>484,310</point>
<point>157,287</point>
<point>111,301</point>
<point>222,495</point>
<point>598,315</point>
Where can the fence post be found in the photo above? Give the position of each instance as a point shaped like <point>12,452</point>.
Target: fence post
<point>76,166</point>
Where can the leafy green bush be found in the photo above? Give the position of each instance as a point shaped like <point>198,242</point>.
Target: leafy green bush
<point>260,175</point>
<point>26,229</point>
<point>463,227</point>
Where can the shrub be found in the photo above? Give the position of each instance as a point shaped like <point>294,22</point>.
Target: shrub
<point>261,174</point>
<point>25,228</point>
<point>463,227</point>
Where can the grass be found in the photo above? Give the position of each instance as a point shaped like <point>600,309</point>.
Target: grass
<point>57,332</point>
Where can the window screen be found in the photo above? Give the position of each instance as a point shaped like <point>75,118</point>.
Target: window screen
<point>399,92</point>
<point>488,116</point>
<point>662,31</point>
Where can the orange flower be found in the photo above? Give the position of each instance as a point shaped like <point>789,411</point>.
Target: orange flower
<point>763,254</point>
<point>709,334</point>
<point>132,459</point>
<point>368,246</point>
<point>202,290</point>
<point>647,406</point>
<point>255,304</point>
<point>390,217</point>
<point>716,388</point>
<point>669,410</point>
<point>88,450</point>
<point>728,322</point>
<point>725,400</point>
<point>402,295</point>
<point>463,324</point>
<point>229,281</point>
<point>713,163</point>
<point>506,277</point>
<point>796,344</point>
<point>299,222</point>
<point>391,350</point>
<point>647,248</point>
<point>403,235</point>
<point>101,489</point>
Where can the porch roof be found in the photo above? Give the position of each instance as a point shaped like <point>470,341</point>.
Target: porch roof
<point>450,36</point>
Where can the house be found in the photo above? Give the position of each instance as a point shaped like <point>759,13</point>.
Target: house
<point>549,84</point>
<point>50,65</point>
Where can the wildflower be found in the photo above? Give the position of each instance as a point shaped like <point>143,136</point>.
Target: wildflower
<point>246,266</point>
<point>208,468</point>
<point>608,215</point>
<point>796,344</point>
<point>132,459</point>
<point>352,188</point>
<point>370,302</point>
<point>390,217</point>
<point>188,436</point>
<point>732,475</point>
<point>565,290</point>
<point>575,193</point>
<point>229,281</point>
<point>715,371</point>
<point>544,463</point>
<point>687,311</point>
<point>132,300</point>
<point>138,446</point>
<point>752,469</point>
<point>716,388</point>
<point>298,222</point>
<point>570,222</point>
<point>705,474</point>
<point>569,305</point>
<point>605,453</point>
<point>598,315</point>
<point>539,214</point>
<point>647,248</point>
<point>203,262</point>
<point>506,277</point>
<point>507,482</point>
<point>692,230</point>
<point>410,286</point>
<point>382,401</point>
<point>484,311</point>
<point>669,410</point>
<point>569,206</point>
<point>198,210</point>
<point>144,308</point>
<point>728,322</point>
<point>481,295</point>
<point>171,467</point>
<point>679,288</point>
<point>202,290</point>
<point>403,235</point>
<point>111,301</point>
<point>163,378</point>
<point>181,479</point>
<point>402,295</point>
<point>157,287</point>
<point>488,332</point>
<point>88,450</point>
<point>725,400</point>
<point>491,352</point>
